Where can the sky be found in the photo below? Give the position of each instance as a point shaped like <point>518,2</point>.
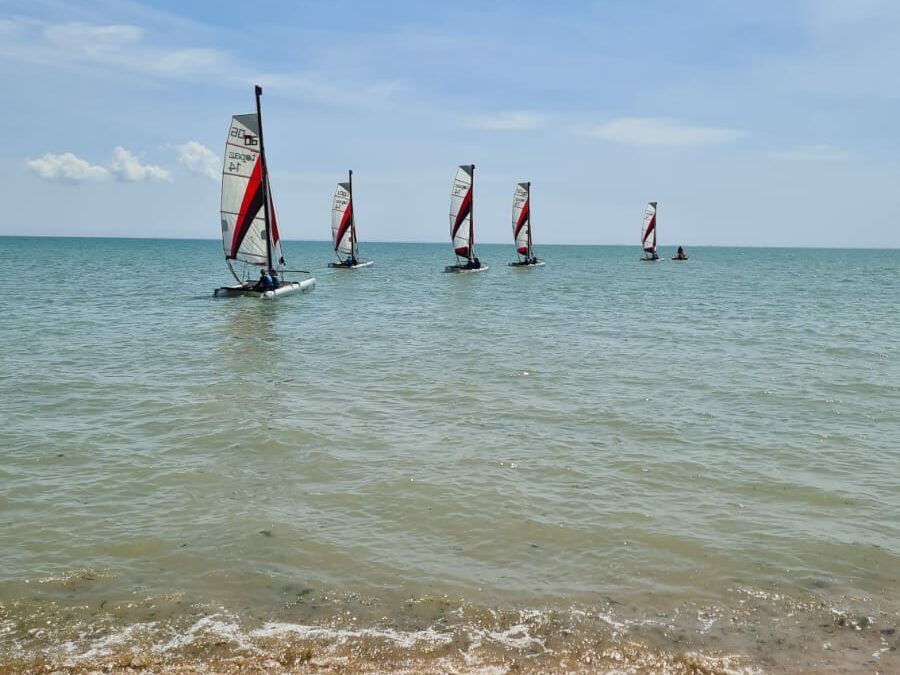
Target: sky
<point>764,123</point>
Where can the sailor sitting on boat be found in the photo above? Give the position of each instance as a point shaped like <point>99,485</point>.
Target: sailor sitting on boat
<point>265,282</point>
<point>276,282</point>
<point>473,264</point>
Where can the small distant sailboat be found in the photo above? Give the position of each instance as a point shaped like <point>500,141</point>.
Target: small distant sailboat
<point>343,228</point>
<point>680,254</point>
<point>462,225</point>
<point>648,233</point>
<point>521,224</point>
<point>249,228</point>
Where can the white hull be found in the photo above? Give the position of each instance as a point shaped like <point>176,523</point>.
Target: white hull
<point>463,268</point>
<point>539,263</point>
<point>287,288</point>
<point>359,265</point>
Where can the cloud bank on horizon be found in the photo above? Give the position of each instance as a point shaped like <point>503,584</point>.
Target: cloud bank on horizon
<point>764,124</point>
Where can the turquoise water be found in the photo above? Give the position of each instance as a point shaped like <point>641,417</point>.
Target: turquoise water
<point>543,466</point>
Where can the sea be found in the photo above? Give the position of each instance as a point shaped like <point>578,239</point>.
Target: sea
<point>597,466</point>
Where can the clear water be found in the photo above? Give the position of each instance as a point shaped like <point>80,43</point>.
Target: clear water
<point>600,464</point>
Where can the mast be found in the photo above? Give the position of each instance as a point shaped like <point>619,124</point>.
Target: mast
<point>528,203</point>
<point>472,218</point>
<point>352,220</point>
<point>264,175</point>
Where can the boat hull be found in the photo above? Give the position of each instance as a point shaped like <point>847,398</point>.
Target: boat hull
<point>344,266</point>
<point>287,288</point>
<point>539,263</point>
<point>462,269</point>
<point>679,259</point>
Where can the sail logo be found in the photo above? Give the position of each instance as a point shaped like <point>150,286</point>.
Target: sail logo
<point>237,132</point>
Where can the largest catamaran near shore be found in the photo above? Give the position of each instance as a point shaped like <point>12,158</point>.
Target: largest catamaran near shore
<point>250,236</point>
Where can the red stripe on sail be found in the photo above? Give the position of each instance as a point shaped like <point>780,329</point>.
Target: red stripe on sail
<point>523,218</point>
<point>651,228</point>
<point>523,250</point>
<point>250,206</point>
<point>344,226</point>
<point>465,208</point>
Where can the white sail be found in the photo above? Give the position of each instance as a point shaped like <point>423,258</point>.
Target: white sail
<point>521,219</point>
<point>461,230</point>
<point>242,212</point>
<point>342,223</point>
<point>648,228</point>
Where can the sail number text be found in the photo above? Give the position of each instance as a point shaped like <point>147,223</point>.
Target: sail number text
<point>235,158</point>
<point>248,139</point>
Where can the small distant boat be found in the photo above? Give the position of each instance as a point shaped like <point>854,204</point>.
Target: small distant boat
<point>648,233</point>
<point>680,254</point>
<point>249,228</point>
<point>521,223</point>
<point>462,225</point>
<point>343,228</point>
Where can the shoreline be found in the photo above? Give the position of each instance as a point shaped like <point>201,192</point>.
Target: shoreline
<point>324,632</point>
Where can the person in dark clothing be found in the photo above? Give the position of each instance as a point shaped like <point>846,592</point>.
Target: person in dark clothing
<point>265,281</point>
<point>276,281</point>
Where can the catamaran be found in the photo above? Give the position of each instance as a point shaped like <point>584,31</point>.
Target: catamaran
<point>249,227</point>
<point>343,228</point>
<point>462,223</point>
<point>521,224</point>
<point>648,233</point>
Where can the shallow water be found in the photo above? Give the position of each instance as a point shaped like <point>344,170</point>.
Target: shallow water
<point>600,464</point>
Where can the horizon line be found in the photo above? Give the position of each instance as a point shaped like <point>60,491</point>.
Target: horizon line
<point>440,243</point>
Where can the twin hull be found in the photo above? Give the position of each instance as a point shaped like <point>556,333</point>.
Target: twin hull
<point>287,288</point>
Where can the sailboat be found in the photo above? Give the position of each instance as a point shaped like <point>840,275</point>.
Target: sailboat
<point>521,224</point>
<point>462,225</point>
<point>343,228</point>
<point>250,234</point>
<point>648,233</point>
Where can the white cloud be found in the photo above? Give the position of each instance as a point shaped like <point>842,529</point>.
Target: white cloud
<point>509,121</point>
<point>115,47</point>
<point>92,40</point>
<point>660,131</point>
<point>125,166</point>
<point>132,49</point>
<point>811,153</point>
<point>66,168</point>
<point>197,158</point>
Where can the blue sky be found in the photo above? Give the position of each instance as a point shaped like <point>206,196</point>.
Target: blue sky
<point>751,123</point>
